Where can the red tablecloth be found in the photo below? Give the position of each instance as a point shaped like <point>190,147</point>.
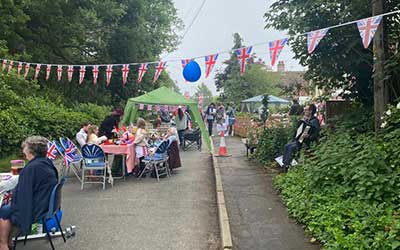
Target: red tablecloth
<point>128,150</point>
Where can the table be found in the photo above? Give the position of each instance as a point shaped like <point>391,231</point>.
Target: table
<point>7,183</point>
<point>128,151</point>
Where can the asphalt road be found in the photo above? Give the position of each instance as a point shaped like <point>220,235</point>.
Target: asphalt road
<point>177,213</point>
<point>258,218</point>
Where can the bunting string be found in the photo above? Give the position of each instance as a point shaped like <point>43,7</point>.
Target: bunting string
<point>367,28</point>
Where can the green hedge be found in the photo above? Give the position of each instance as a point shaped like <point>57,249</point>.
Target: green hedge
<point>347,191</point>
<point>25,111</point>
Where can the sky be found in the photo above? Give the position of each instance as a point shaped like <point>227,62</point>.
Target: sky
<point>212,31</point>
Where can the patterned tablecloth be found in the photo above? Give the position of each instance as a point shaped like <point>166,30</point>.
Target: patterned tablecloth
<point>7,183</point>
<point>128,150</point>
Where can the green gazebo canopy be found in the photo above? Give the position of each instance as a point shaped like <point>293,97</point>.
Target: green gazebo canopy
<point>164,96</point>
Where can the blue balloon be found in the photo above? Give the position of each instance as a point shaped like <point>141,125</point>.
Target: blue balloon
<point>192,71</point>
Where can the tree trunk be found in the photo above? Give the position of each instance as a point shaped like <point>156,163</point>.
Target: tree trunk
<point>381,93</point>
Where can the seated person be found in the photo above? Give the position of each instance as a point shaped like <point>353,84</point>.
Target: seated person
<point>31,196</point>
<point>81,136</point>
<point>307,132</point>
<point>174,160</point>
<point>92,137</point>
<point>141,146</point>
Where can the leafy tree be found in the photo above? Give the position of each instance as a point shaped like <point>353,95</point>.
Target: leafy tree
<point>203,90</point>
<point>90,32</point>
<point>257,79</point>
<point>340,60</point>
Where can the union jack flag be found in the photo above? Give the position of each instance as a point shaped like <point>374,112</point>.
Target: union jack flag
<point>82,72</point>
<point>69,154</point>
<point>19,68</point>
<point>142,70</point>
<point>243,54</point>
<point>125,72</point>
<point>70,72</point>
<point>27,67</point>
<point>59,72</point>
<point>141,106</point>
<point>275,49</point>
<point>37,70</point>
<point>160,67</point>
<point>7,198</point>
<point>185,62</point>
<point>10,66</point>
<point>149,107</point>
<point>48,69</point>
<point>4,64</point>
<point>109,71</point>
<point>210,62</point>
<point>158,108</point>
<point>314,37</point>
<point>51,150</point>
<point>367,28</point>
<point>95,72</point>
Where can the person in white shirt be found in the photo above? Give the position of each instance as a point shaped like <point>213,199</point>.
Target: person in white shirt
<point>92,136</point>
<point>81,136</point>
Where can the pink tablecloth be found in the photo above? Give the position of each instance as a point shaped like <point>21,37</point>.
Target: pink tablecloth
<point>128,150</point>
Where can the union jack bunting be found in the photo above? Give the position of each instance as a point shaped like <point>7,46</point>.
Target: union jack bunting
<point>82,72</point>
<point>95,72</point>
<point>275,49</point>
<point>109,71</point>
<point>10,66</point>
<point>48,69</point>
<point>210,62</point>
<point>51,151</point>
<point>19,68</point>
<point>160,67</point>
<point>185,62</point>
<point>314,37</point>
<point>70,72</point>
<point>158,108</point>
<point>367,28</point>
<point>125,72</point>
<point>149,107</point>
<point>27,67</point>
<point>243,54</point>
<point>37,70</point>
<point>142,70</point>
<point>141,106</point>
<point>59,72</point>
<point>4,64</point>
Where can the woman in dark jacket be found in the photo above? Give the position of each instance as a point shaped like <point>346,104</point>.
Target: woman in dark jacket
<point>31,196</point>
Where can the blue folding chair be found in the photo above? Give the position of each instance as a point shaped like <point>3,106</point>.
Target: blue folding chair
<point>93,160</point>
<point>54,208</point>
<point>76,163</point>
<point>157,161</point>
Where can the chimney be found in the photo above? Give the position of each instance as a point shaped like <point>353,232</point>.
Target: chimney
<point>281,66</point>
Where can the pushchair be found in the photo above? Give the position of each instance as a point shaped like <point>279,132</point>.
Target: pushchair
<point>190,138</point>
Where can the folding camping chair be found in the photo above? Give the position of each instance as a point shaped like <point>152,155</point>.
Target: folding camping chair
<point>93,160</point>
<point>158,161</point>
<point>76,164</point>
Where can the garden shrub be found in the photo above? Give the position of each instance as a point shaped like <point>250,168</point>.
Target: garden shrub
<point>271,142</point>
<point>347,192</point>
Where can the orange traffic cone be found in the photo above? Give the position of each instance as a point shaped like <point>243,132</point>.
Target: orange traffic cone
<point>223,152</point>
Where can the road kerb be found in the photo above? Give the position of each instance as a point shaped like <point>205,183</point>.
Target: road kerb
<point>225,229</point>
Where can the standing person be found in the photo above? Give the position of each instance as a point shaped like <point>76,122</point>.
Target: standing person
<point>181,121</point>
<point>210,114</point>
<point>307,132</point>
<point>140,142</point>
<point>31,196</point>
<point>81,136</point>
<point>111,122</point>
<point>231,117</point>
<point>220,114</point>
<point>296,108</point>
